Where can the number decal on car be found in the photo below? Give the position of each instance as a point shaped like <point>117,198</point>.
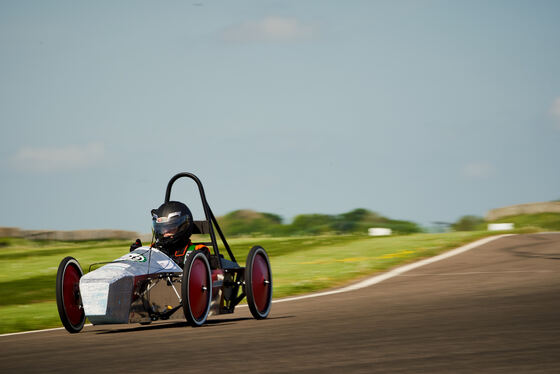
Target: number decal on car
<point>134,257</point>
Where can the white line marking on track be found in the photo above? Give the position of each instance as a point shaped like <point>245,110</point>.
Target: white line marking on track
<point>34,331</point>
<point>397,271</point>
<point>353,287</point>
<point>477,273</point>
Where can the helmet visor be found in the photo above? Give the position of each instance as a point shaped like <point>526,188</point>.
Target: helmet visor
<point>165,227</point>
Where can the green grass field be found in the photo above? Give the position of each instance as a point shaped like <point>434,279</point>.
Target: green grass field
<point>299,265</point>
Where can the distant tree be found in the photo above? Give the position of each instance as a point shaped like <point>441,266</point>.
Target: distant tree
<point>468,223</point>
<point>274,218</point>
<point>312,223</point>
<point>359,220</point>
<point>244,222</point>
<point>358,215</point>
<point>249,222</point>
<point>403,227</point>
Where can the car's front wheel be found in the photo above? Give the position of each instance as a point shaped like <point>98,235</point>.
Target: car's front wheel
<point>196,288</point>
<point>68,299</point>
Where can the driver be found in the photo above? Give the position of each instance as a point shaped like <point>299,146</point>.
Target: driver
<point>173,226</point>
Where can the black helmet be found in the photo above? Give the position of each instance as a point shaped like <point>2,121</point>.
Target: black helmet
<point>172,222</point>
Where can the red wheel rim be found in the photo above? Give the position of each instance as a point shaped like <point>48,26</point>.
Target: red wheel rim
<point>198,288</point>
<point>70,295</point>
<point>260,281</point>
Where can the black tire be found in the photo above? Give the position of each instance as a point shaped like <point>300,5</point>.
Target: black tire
<point>196,288</point>
<point>68,299</point>
<point>258,282</point>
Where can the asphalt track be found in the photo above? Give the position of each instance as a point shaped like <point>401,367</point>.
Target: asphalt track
<point>493,309</point>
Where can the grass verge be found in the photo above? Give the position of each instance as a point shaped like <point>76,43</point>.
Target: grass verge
<point>545,221</point>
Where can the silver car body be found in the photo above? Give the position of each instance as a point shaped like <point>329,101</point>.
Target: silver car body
<point>132,288</point>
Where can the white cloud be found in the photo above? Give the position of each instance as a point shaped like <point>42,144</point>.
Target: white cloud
<point>555,111</point>
<point>270,29</point>
<point>47,159</point>
<point>478,170</point>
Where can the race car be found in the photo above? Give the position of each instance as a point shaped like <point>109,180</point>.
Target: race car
<point>147,285</point>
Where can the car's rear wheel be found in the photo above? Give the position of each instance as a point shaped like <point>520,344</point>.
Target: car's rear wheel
<point>68,298</point>
<point>258,282</point>
<point>196,288</point>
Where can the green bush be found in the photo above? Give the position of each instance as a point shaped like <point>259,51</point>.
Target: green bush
<point>242,222</point>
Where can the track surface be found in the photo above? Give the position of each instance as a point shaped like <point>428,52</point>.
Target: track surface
<point>495,308</point>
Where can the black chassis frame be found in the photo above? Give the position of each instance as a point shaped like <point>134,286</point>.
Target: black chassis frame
<point>234,278</point>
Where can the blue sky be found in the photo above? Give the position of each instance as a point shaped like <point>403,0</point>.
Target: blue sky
<point>420,110</point>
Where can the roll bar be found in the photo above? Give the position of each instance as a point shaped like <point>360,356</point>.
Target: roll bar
<point>210,218</point>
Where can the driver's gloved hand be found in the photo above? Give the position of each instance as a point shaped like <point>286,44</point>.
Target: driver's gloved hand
<point>136,244</point>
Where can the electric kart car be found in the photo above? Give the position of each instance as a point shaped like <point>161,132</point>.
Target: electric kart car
<point>146,285</point>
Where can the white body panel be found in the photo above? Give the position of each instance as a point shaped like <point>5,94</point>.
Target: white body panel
<point>109,292</point>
